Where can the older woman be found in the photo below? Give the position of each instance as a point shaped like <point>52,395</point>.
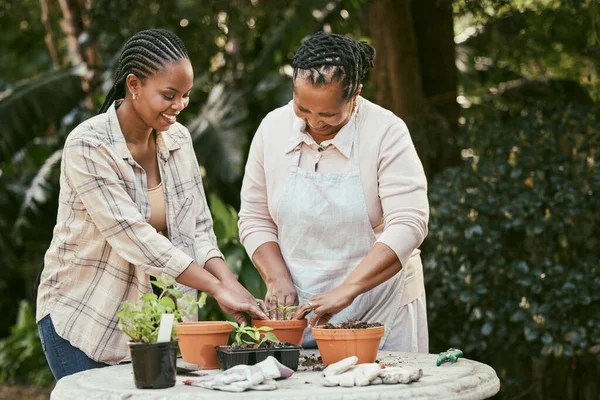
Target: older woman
<point>131,206</point>
<point>334,200</point>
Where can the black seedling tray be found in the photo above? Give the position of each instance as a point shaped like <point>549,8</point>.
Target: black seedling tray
<point>228,358</point>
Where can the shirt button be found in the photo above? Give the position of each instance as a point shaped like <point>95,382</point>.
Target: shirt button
<point>321,149</point>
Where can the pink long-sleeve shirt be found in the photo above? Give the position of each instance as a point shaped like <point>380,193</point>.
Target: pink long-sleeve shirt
<point>392,175</point>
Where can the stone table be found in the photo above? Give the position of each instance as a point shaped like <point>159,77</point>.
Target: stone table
<point>466,379</point>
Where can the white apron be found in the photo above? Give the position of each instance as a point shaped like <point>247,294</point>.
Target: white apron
<point>324,234</point>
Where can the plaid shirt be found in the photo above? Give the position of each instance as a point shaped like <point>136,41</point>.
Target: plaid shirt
<point>103,250</point>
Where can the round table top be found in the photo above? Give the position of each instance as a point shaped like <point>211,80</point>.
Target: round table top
<point>465,379</point>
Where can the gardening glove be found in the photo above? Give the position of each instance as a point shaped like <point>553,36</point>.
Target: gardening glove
<point>243,377</point>
<point>346,373</point>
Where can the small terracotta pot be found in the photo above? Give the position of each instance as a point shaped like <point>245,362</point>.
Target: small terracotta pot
<point>197,341</point>
<point>337,344</point>
<point>290,331</point>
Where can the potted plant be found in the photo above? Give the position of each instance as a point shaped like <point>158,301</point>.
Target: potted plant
<point>353,338</point>
<point>253,344</point>
<point>197,341</point>
<point>154,363</point>
<point>286,329</point>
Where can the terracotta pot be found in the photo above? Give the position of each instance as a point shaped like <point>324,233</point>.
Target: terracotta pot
<point>337,344</point>
<point>290,331</point>
<point>197,341</point>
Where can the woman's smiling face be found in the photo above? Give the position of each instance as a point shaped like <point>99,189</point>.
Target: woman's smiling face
<point>162,96</point>
<point>322,107</point>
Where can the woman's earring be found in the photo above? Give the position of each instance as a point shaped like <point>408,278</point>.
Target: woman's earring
<point>134,96</point>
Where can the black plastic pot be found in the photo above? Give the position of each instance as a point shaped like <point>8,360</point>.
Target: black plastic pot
<point>154,364</point>
<point>228,358</point>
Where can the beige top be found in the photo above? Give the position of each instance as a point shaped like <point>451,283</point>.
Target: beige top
<point>158,216</point>
<point>393,180</point>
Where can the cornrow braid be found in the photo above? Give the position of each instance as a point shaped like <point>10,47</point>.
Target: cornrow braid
<point>144,54</point>
<point>326,57</point>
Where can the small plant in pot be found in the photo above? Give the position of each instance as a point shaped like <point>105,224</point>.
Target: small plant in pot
<point>154,363</point>
<point>254,344</point>
<point>352,338</point>
<point>286,329</point>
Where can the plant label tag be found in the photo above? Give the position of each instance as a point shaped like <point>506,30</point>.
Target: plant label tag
<point>165,328</point>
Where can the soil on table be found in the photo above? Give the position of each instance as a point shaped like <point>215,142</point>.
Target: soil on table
<point>310,362</point>
<point>352,325</point>
<point>264,345</point>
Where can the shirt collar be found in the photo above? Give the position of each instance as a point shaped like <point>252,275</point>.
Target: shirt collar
<point>343,141</point>
<point>166,141</point>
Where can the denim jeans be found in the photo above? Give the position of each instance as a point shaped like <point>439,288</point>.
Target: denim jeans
<point>63,358</point>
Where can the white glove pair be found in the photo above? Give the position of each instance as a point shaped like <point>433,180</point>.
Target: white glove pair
<point>243,377</point>
<point>346,373</point>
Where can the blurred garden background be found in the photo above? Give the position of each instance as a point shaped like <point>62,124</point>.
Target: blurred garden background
<point>503,103</point>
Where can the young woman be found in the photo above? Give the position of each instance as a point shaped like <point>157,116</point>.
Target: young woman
<point>131,206</point>
<point>334,200</point>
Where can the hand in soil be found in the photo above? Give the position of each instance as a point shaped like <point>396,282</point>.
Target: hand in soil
<point>325,305</point>
<point>280,292</point>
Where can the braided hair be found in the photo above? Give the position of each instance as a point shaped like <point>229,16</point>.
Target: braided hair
<point>327,57</point>
<point>144,54</point>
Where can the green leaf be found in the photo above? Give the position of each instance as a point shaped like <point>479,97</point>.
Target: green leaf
<point>175,292</point>
<point>26,112</point>
<point>531,334</point>
<point>149,297</point>
<point>202,300</point>
<point>166,280</point>
<point>167,302</point>
<point>487,329</point>
<point>159,284</point>
<point>547,338</point>
<point>270,336</point>
<point>218,135</point>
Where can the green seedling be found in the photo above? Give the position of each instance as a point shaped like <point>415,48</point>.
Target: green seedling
<point>252,335</point>
<point>140,320</point>
<point>287,312</point>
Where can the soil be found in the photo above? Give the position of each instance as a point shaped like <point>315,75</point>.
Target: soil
<point>264,345</point>
<point>353,325</point>
<point>310,362</point>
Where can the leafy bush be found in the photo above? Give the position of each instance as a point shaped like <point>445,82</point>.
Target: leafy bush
<point>512,258</point>
<point>22,358</point>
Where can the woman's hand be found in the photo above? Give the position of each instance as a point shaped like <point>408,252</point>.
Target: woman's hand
<point>236,287</point>
<point>326,305</point>
<point>236,304</point>
<point>217,267</point>
<point>280,291</point>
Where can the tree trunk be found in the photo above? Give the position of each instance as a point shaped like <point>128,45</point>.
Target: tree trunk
<point>434,30</point>
<point>396,77</point>
<point>415,74</point>
<point>74,24</point>
<point>49,37</point>
<point>72,27</point>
